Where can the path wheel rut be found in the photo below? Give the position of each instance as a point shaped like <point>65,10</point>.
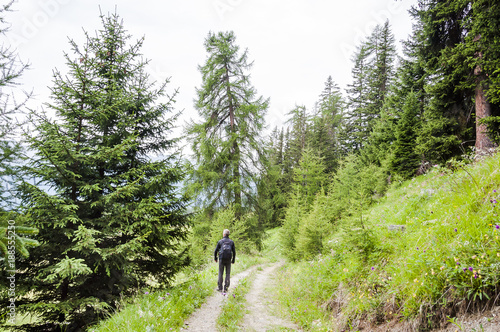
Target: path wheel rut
<point>259,305</point>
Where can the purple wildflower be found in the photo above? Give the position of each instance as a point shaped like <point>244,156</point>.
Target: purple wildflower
<point>146,293</point>
<point>475,276</point>
<point>465,269</point>
<point>234,296</point>
<point>497,226</point>
<point>470,268</point>
<point>373,268</point>
<point>458,263</point>
<point>494,190</point>
<point>168,294</point>
<point>455,230</point>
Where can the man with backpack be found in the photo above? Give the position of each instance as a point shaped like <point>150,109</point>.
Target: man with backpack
<point>226,253</point>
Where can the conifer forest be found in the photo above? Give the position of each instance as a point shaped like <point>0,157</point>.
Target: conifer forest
<point>378,202</point>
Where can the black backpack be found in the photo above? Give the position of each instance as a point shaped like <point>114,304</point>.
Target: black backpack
<point>226,251</point>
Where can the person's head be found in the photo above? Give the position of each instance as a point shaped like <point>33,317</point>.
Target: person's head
<point>225,232</point>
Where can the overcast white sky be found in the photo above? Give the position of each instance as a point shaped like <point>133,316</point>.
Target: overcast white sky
<point>295,44</point>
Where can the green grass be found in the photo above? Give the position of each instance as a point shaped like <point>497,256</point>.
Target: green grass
<point>233,309</point>
<point>166,310</point>
<point>448,255</point>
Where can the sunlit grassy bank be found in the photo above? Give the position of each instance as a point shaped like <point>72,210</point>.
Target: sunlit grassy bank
<point>426,251</point>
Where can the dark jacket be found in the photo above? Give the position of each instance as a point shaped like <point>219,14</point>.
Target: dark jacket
<point>219,246</point>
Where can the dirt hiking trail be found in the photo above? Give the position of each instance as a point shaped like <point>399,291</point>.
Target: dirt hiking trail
<point>259,305</point>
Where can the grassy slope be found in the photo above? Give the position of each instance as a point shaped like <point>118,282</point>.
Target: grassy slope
<point>446,260</point>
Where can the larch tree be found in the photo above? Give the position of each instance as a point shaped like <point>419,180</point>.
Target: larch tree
<point>226,142</point>
<point>105,194</point>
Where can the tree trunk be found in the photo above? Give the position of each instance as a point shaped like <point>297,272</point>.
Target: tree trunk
<point>483,110</point>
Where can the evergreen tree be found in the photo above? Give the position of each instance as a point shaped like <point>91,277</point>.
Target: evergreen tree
<point>11,68</point>
<point>111,220</point>
<point>298,135</point>
<point>372,76</point>
<point>382,45</point>
<point>272,186</point>
<point>448,126</point>
<point>485,61</point>
<point>405,160</point>
<point>326,125</point>
<point>226,143</point>
<point>356,129</point>
<point>309,176</point>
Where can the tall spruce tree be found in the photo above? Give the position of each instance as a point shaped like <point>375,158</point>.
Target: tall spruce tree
<point>272,186</point>
<point>405,160</point>
<point>11,69</point>
<point>484,34</point>
<point>355,129</point>
<point>226,143</point>
<point>105,197</point>
<point>372,76</point>
<point>12,232</point>
<point>326,124</point>
<point>298,136</point>
<point>448,124</point>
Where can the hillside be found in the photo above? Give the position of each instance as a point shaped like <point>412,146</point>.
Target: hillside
<point>423,254</point>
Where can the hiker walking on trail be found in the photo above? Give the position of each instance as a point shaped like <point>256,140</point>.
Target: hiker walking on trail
<point>225,253</point>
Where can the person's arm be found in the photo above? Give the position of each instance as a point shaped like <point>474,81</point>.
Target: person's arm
<point>234,254</point>
<point>217,248</point>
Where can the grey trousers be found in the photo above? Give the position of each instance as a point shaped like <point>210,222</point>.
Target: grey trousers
<point>224,265</point>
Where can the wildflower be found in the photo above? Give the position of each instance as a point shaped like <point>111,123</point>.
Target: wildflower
<point>465,269</point>
<point>373,268</point>
<point>234,296</point>
<point>473,257</point>
<point>458,263</point>
<point>146,293</point>
<point>497,226</point>
<point>494,190</point>
<point>494,201</point>
<point>475,276</point>
<point>455,230</point>
<point>417,248</point>
<point>168,294</point>
<point>442,268</point>
<point>470,268</point>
